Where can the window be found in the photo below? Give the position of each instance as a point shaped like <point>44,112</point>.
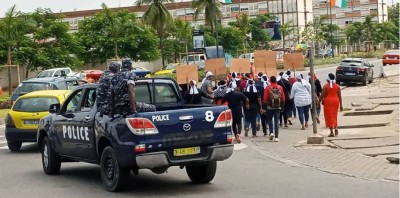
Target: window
<point>164,93</point>
<point>57,73</point>
<point>73,103</point>
<point>27,87</point>
<point>142,93</point>
<point>67,71</point>
<point>71,84</point>
<point>234,9</point>
<point>40,104</point>
<point>89,100</point>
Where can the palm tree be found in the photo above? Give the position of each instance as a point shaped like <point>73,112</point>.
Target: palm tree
<point>211,9</point>
<point>158,17</point>
<point>285,30</point>
<point>13,28</point>
<point>183,32</point>
<point>243,24</point>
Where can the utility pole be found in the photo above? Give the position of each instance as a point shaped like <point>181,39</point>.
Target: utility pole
<point>330,30</point>
<point>315,138</point>
<point>216,26</point>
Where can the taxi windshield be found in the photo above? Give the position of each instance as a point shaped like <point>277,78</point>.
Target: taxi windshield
<point>27,87</point>
<point>36,104</point>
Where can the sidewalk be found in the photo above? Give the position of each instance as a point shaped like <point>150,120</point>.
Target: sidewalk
<point>357,152</point>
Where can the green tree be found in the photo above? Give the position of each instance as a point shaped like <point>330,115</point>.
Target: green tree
<point>230,38</point>
<point>394,15</point>
<point>158,17</point>
<point>285,30</point>
<point>110,34</point>
<point>243,24</point>
<point>211,10</point>
<point>259,36</point>
<point>13,28</point>
<point>49,44</point>
<point>183,32</point>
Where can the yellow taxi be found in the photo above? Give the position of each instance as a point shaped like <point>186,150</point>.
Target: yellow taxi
<point>170,69</point>
<point>23,119</point>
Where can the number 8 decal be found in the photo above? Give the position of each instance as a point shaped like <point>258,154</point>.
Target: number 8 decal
<point>209,116</point>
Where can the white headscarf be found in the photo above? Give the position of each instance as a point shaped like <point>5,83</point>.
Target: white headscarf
<point>285,76</point>
<point>278,78</point>
<point>193,89</point>
<point>288,72</point>
<point>232,86</point>
<point>300,77</point>
<point>264,79</point>
<point>235,76</point>
<point>330,80</point>
<point>251,87</point>
<point>221,87</point>
<point>208,74</point>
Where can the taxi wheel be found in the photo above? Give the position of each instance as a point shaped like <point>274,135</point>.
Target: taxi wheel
<point>114,177</point>
<point>51,161</point>
<point>202,174</point>
<point>14,146</point>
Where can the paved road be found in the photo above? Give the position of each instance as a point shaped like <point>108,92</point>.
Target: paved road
<point>323,72</point>
<point>249,173</point>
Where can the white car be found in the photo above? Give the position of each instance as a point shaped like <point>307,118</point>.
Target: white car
<point>56,72</point>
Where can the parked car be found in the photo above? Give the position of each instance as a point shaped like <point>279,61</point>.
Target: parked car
<point>170,69</point>
<point>48,83</point>
<point>354,70</point>
<point>141,71</point>
<point>391,57</point>
<point>23,119</point>
<point>56,72</point>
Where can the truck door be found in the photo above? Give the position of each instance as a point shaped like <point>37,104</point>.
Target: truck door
<point>65,123</point>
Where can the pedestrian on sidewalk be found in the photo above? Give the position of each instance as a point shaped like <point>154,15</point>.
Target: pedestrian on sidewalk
<point>331,98</point>
<point>274,98</point>
<point>235,101</point>
<point>292,81</point>
<point>317,95</point>
<point>287,88</point>
<point>261,84</point>
<point>301,93</point>
<point>251,114</point>
<point>207,88</point>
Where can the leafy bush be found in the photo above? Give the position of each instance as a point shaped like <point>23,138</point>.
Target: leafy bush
<point>279,65</point>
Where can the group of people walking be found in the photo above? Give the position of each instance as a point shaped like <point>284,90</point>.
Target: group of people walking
<point>269,102</point>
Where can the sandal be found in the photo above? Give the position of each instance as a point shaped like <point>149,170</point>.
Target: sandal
<point>238,139</point>
<point>290,122</point>
<point>336,132</point>
<point>331,135</point>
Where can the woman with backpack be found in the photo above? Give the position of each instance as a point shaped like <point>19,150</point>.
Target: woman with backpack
<point>274,99</point>
<point>301,92</point>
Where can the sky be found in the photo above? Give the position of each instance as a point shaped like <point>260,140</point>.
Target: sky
<point>71,5</point>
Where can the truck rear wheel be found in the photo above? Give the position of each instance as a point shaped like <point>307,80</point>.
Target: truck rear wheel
<point>112,175</point>
<point>14,146</point>
<point>202,174</point>
<point>51,161</point>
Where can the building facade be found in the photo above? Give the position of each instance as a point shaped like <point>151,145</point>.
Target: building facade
<point>296,13</point>
<point>356,11</point>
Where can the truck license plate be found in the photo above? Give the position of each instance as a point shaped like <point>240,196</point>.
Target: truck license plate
<point>31,122</point>
<point>187,151</point>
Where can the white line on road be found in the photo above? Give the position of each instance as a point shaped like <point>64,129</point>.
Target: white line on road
<point>238,147</point>
<point>3,142</point>
<point>4,148</point>
<point>1,136</point>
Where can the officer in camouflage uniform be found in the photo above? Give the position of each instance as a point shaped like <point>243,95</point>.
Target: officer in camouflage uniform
<point>123,92</point>
<point>103,91</point>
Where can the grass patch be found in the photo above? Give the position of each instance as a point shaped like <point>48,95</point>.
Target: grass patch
<point>3,113</point>
<point>5,97</point>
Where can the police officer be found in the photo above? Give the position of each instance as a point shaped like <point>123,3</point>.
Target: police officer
<point>123,92</point>
<point>104,99</point>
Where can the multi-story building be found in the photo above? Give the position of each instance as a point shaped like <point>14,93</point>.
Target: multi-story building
<point>296,13</point>
<point>356,11</point>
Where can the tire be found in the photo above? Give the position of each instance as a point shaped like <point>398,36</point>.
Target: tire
<point>384,64</point>
<point>14,146</point>
<point>338,82</point>
<point>51,161</point>
<point>114,177</point>
<point>364,83</point>
<point>202,174</point>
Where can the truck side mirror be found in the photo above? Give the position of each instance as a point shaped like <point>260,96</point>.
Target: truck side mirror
<point>55,108</point>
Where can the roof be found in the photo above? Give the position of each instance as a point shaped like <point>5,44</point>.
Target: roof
<point>54,69</point>
<point>49,79</point>
<point>55,93</point>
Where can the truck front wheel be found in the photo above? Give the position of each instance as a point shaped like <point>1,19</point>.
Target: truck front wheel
<point>201,174</point>
<point>113,176</point>
<point>51,161</point>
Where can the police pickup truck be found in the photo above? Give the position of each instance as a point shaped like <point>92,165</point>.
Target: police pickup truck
<point>191,137</point>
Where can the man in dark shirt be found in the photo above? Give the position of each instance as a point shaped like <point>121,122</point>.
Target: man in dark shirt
<point>123,92</point>
<point>235,99</point>
<point>103,91</point>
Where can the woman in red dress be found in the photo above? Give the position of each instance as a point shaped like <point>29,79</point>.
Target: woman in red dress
<point>332,100</point>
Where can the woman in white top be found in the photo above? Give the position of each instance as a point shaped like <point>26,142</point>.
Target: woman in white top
<point>301,92</point>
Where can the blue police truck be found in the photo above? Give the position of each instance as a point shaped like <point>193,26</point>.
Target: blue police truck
<point>193,137</point>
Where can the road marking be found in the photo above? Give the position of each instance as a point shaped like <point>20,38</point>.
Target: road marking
<point>3,142</point>
<point>1,136</point>
<point>2,126</point>
<point>238,147</point>
<point>4,148</point>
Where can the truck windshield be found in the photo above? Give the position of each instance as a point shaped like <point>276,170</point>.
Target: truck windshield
<point>35,104</point>
<point>44,74</point>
